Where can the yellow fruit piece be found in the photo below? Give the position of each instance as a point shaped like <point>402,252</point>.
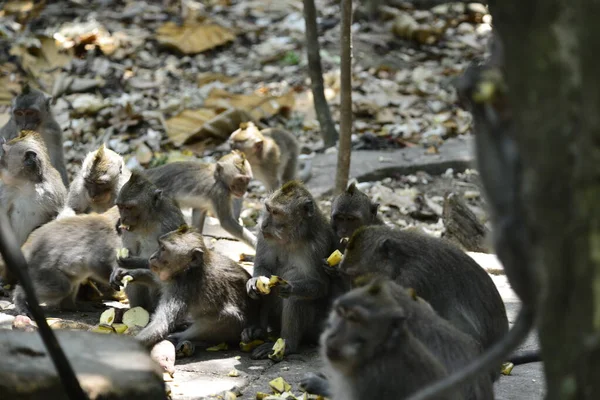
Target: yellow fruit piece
<point>279,385</point>
<point>262,284</point>
<point>107,317</point>
<point>132,330</point>
<point>119,328</point>
<point>335,258</point>
<point>507,368</point>
<point>126,279</point>
<point>103,329</point>
<point>248,347</point>
<point>230,396</point>
<point>234,373</point>
<point>136,316</point>
<point>278,351</point>
<point>123,252</point>
<point>167,377</point>
<point>261,395</point>
<point>219,347</point>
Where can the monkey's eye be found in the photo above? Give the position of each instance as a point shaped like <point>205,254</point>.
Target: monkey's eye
<point>351,218</point>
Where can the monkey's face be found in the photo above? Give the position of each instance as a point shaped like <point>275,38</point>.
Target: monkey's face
<point>348,337</point>
<point>21,161</point>
<point>344,224</point>
<point>27,118</point>
<point>131,215</point>
<point>274,223</point>
<point>99,191</point>
<point>234,171</point>
<point>176,251</point>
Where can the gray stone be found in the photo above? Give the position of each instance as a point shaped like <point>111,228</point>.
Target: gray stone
<point>455,153</point>
<point>107,366</point>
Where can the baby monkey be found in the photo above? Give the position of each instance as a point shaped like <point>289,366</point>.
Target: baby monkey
<point>96,186</point>
<point>272,153</point>
<point>210,287</point>
<point>66,252</point>
<point>370,352</point>
<point>208,187</point>
<point>31,111</point>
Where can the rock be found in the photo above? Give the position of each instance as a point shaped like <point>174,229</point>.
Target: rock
<point>107,366</point>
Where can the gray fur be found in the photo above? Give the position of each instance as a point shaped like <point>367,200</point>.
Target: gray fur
<point>64,253</point>
<point>210,288</point>
<point>44,123</point>
<point>155,214</point>
<point>203,188</point>
<point>31,197</point>
<point>295,245</point>
<point>370,352</point>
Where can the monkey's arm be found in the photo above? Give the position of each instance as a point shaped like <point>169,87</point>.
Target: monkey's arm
<point>264,265</point>
<point>172,308</point>
<point>224,213</point>
<point>76,199</point>
<point>133,263</point>
<point>141,275</point>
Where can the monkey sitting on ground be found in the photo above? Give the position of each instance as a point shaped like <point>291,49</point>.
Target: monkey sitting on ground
<point>272,153</point>
<point>31,111</point>
<point>66,252</point>
<point>208,187</point>
<point>31,190</point>
<point>451,347</point>
<point>370,351</point>
<point>210,287</point>
<point>351,210</point>
<point>146,214</point>
<point>96,186</point>
<point>294,237</point>
<point>457,288</point>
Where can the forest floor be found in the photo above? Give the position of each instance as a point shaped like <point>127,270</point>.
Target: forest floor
<point>150,78</point>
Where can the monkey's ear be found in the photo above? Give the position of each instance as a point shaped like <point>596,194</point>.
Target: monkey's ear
<point>49,102</point>
<point>157,195</point>
<point>308,207</point>
<point>387,246</point>
<point>30,155</point>
<point>219,168</point>
<point>397,318</point>
<point>374,208</point>
<point>198,254</point>
<point>351,188</point>
<point>258,146</point>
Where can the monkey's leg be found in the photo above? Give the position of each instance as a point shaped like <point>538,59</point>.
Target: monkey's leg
<point>211,330</point>
<point>198,217</point>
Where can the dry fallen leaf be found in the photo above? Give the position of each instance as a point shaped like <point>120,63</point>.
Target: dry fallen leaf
<point>209,77</point>
<point>193,37</point>
<point>43,62</point>
<point>258,106</point>
<point>186,124</point>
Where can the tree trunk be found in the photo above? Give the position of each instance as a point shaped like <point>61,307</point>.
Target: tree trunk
<point>315,72</point>
<point>345,144</point>
<point>554,93</point>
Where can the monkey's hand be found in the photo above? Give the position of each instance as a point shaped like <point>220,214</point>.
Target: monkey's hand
<point>285,290</point>
<point>252,289</point>
<point>331,271</point>
<point>315,384</point>
<point>117,276</point>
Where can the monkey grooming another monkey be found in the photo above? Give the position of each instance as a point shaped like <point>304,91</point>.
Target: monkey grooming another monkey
<point>66,252</point>
<point>370,352</point>
<point>293,239</point>
<point>146,214</point>
<point>31,189</point>
<point>451,347</point>
<point>272,153</point>
<point>351,210</point>
<point>208,187</point>
<point>31,112</point>
<point>210,287</point>
<point>457,288</point>
<point>95,188</point>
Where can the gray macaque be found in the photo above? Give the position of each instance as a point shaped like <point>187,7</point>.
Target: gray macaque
<point>146,214</point>
<point>370,352</point>
<point>293,239</point>
<point>272,153</point>
<point>31,111</point>
<point>95,188</point>
<point>203,284</point>
<point>208,187</point>
<point>64,253</point>
<point>451,347</point>
<point>31,190</point>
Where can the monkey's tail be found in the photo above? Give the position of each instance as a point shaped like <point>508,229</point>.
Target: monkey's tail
<point>485,361</point>
<point>526,357</point>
